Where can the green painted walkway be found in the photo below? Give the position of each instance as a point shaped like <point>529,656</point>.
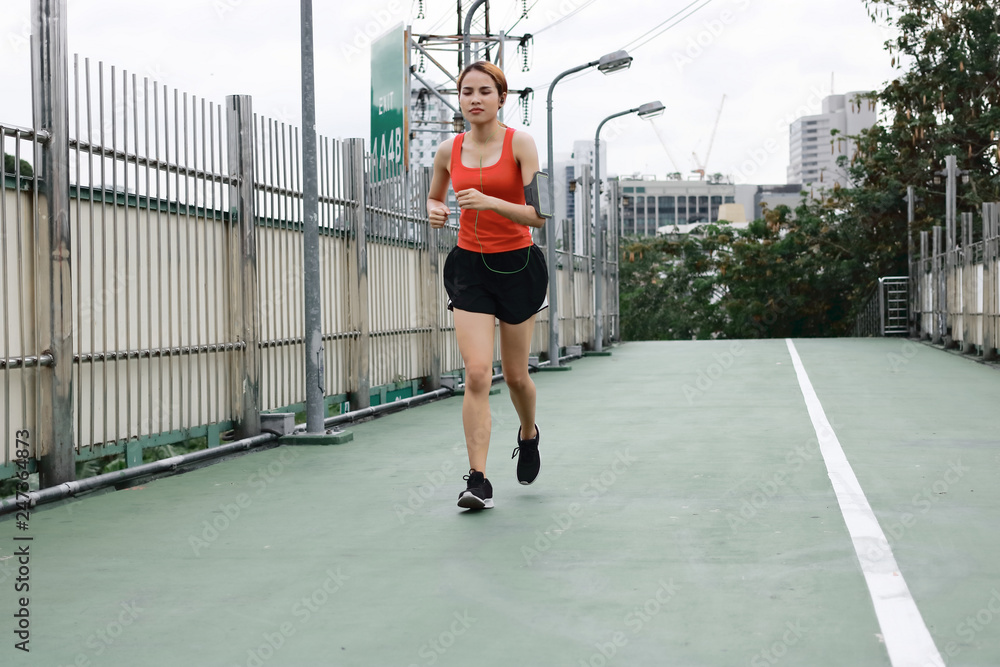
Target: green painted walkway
<point>683,517</point>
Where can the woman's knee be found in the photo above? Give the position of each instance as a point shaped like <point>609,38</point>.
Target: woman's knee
<point>478,378</point>
<point>518,379</point>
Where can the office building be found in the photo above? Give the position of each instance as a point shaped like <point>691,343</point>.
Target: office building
<point>670,206</point>
<point>430,124</point>
<point>755,197</point>
<point>571,202</point>
<point>814,149</point>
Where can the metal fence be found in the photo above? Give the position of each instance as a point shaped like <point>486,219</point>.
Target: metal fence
<point>172,291</point>
<point>955,285</point>
<point>885,311</point>
<point>20,361</point>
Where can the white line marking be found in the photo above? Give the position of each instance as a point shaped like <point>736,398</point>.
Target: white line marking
<point>907,639</point>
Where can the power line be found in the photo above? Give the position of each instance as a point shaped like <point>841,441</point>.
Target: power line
<point>448,14</point>
<point>633,44</point>
<point>570,15</point>
<point>510,13</point>
<point>627,46</point>
<point>638,41</point>
<point>511,29</point>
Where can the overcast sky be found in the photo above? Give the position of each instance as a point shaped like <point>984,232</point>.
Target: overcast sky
<point>772,59</point>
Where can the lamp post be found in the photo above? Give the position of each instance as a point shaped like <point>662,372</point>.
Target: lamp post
<point>315,410</point>
<point>467,46</point>
<point>466,38</point>
<point>607,64</point>
<point>648,110</point>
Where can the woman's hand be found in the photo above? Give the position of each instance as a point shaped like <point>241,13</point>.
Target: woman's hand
<point>438,214</point>
<point>474,200</point>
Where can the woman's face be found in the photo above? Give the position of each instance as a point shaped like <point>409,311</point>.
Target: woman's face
<point>479,97</point>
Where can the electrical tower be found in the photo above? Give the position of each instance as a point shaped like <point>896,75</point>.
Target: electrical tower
<point>433,56</point>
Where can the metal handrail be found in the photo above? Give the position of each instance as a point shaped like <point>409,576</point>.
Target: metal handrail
<point>879,316</point>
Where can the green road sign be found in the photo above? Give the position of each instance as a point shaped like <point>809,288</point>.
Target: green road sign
<point>390,100</point>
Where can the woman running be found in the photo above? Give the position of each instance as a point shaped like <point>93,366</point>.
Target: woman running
<point>495,271</point>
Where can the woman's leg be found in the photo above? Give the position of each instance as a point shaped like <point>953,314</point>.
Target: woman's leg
<point>474,332</point>
<point>515,346</point>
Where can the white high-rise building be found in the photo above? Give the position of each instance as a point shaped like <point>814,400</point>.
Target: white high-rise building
<point>570,200</point>
<point>430,124</point>
<point>813,149</point>
<point>583,153</point>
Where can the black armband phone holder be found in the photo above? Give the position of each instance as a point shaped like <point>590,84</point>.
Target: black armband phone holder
<point>536,194</point>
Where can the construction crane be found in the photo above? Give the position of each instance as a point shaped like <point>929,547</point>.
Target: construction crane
<point>664,144</point>
<point>711,140</point>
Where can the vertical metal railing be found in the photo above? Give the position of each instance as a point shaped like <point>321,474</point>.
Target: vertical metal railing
<point>563,268</point>
<point>581,278</point>
<point>20,359</point>
<point>991,280</point>
<point>912,273</point>
<point>894,294</point>
<point>896,306</point>
<point>451,359</point>
<point>970,333</point>
<point>181,313</point>
<point>336,287</point>
<point>153,344</point>
<point>395,242</point>
<point>940,286</point>
<point>569,301</point>
<point>432,266</point>
<point>866,324</point>
<point>613,233</point>
<point>956,287</point>
<point>278,222</point>
<point>925,291</point>
<point>243,301</point>
<point>360,384</point>
<point>885,312</point>
<point>54,437</point>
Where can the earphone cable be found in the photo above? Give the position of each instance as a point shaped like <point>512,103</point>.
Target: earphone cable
<point>475,227</point>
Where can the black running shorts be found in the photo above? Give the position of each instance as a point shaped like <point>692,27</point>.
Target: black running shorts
<point>510,285</point>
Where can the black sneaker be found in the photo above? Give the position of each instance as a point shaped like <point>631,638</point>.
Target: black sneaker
<point>478,495</point>
<point>528,463</point>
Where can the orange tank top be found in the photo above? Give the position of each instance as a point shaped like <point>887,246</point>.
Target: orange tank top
<point>493,232</point>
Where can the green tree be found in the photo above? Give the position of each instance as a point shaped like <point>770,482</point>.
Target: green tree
<point>791,276</point>
<point>782,276</point>
<point>666,289</point>
<point>10,166</point>
<point>943,102</point>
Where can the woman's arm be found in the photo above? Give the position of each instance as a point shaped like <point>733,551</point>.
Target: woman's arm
<point>527,157</point>
<point>437,210</point>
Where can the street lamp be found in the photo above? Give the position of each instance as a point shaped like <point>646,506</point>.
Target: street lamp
<point>466,40</point>
<point>467,50</point>
<point>611,62</point>
<point>648,110</point>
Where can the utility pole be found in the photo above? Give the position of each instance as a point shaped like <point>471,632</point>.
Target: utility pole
<point>315,410</point>
<point>435,50</point>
